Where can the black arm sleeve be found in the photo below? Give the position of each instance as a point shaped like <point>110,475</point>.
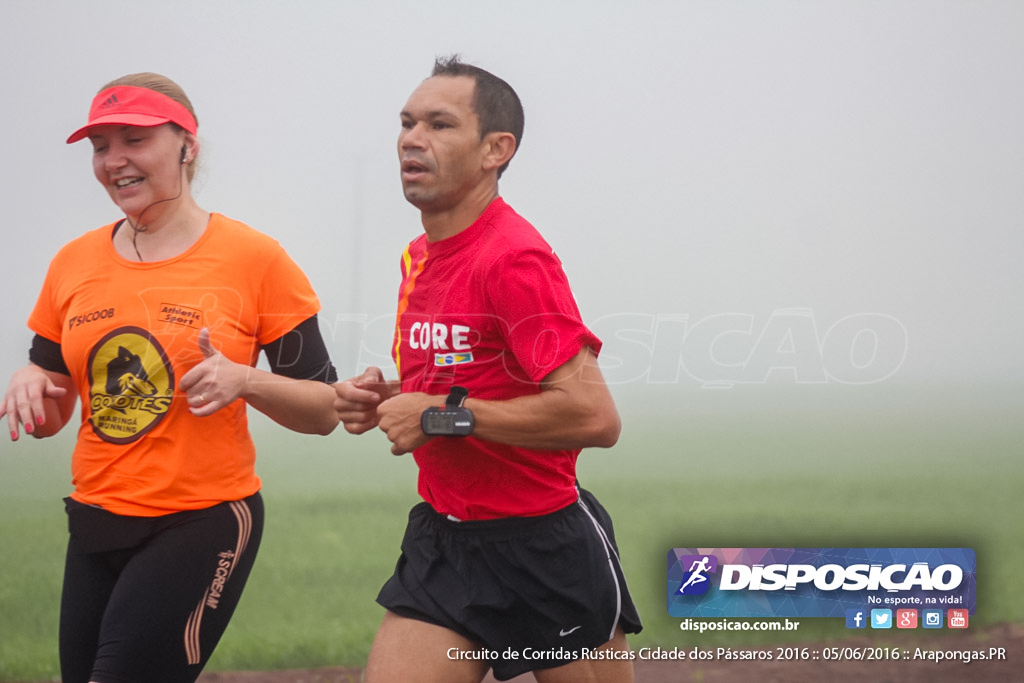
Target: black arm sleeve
<point>301,354</point>
<point>47,355</point>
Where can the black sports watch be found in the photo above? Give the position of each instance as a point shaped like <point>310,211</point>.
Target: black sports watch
<point>452,420</point>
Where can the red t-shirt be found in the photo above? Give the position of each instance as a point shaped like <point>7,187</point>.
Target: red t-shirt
<point>489,309</point>
<point>128,332</point>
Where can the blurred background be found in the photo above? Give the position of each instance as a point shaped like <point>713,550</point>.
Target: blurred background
<point>797,226</point>
<point>742,192</point>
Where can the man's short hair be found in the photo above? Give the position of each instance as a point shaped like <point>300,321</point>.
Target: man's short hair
<point>496,104</point>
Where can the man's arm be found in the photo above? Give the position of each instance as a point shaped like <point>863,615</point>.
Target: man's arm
<point>574,409</point>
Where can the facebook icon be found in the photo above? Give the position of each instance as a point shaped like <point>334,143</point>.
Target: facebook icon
<point>855,618</point>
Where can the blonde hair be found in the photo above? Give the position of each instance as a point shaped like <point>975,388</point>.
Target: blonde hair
<point>164,86</point>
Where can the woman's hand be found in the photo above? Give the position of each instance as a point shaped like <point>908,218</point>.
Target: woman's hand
<point>215,382</point>
<point>39,400</point>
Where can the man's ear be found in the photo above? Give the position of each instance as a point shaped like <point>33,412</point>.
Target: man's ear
<point>499,148</point>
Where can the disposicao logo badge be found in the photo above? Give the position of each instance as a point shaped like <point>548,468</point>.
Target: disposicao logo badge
<point>131,384</point>
<point>818,582</point>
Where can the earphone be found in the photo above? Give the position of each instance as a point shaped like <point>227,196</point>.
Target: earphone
<point>139,226</point>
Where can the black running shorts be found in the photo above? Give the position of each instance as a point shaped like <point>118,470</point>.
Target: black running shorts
<point>547,588</point>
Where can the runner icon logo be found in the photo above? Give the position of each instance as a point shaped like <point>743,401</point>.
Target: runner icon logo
<point>696,580</point>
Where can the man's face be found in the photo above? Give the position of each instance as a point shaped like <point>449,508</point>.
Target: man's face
<point>439,148</point>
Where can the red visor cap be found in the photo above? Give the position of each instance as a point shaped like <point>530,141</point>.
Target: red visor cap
<point>129,105</point>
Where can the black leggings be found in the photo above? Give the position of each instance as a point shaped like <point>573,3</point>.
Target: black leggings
<point>147,599</point>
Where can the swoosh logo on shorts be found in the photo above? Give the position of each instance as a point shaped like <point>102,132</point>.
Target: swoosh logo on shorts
<point>563,633</point>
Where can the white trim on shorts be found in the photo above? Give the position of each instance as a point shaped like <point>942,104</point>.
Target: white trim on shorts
<point>613,559</point>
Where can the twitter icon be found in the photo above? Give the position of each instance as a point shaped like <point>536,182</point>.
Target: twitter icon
<point>881,618</point>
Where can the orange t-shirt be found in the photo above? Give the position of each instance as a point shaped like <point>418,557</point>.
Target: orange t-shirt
<point>128,333</point>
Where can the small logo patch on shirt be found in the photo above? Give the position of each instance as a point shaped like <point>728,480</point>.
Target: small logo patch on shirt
<point>181,315</point>
<point>444,359</point>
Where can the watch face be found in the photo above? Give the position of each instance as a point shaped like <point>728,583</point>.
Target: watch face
<point>455,422</point>
<point>439,423</point>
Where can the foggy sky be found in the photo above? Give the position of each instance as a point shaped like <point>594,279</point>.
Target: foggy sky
<point>741,192</point>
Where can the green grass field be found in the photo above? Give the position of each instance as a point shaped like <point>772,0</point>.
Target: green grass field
<point>817,467</point>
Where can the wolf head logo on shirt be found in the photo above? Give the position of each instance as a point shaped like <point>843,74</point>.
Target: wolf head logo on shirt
<point>131,385</point>
<point>125,375</point>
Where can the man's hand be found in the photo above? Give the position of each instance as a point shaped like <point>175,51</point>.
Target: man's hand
<point>399,418</point>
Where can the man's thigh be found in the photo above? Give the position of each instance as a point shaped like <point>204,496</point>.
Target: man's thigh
<point>413,651</point>
<point>596,670</point>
